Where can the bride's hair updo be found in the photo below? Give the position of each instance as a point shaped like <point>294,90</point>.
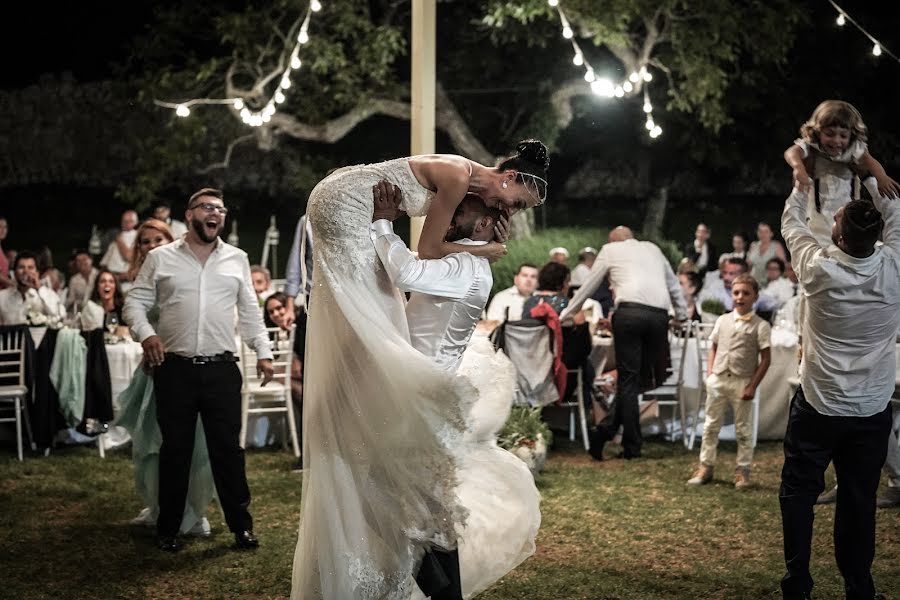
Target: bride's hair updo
<point>530,157</point>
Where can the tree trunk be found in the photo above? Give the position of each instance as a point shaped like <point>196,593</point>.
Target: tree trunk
<point>656,213</point>
<point>521,226</point>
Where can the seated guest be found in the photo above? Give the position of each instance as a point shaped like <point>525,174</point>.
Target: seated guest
<point>739,244</point>
<point>559,255</point>
<point>686,265</point>
<point>691,284</point>
<point>106,299</point>
<point>81,283</point>
<point>162,211</point>
<point>6,279</point>
<point>118,254</point>
<point>553,288</point>
<point>701,251</point>
<point>510,300</point>
<point>778,289</point>
<point>586,258</point>
<point>28,295</point>
<point>262,283</point>
<point>731,269</point>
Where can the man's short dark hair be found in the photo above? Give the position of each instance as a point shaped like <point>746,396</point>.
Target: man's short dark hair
<point>552,277</point>
<point>861,226</point>
<point>777,261</point>
<point>24,254</point>
<point>524,265</point>
<point>161,203</point>
<point>736,260</point>
<point>78,251</point>
<point>207,191</point>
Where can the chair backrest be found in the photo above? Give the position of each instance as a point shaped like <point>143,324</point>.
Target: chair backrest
<point>282,344</point>
<point>702,333</point>
<point>528,345</point>
<point>12,356</point>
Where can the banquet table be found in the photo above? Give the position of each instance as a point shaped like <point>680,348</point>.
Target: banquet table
<point>124,358</point>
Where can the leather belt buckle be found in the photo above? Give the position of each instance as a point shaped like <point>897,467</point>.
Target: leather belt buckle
<point>199,360</point>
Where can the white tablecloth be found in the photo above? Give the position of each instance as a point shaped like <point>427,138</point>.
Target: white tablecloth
<point>123,359</point>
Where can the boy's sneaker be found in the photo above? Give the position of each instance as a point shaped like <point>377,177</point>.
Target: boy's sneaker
<point>147,518</point>
<point>742,478</point>
<point>201,528</point>
<point>702,476</point>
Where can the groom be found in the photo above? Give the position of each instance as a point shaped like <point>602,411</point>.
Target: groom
<point>448,296</point>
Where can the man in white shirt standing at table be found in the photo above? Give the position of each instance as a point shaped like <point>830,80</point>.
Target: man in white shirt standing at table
<point>197,281</point>
<point>645,287</point>
<point>841,412</point>
<point>507,304</point>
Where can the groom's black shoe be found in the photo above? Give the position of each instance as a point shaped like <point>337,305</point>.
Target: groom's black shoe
<point>245,540</point>
<point>170,543</point>
<point>599,437</point>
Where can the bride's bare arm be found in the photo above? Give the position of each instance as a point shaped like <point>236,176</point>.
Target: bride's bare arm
<point>451,181</point>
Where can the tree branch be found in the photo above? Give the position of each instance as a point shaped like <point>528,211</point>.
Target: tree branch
<point>224,164</point>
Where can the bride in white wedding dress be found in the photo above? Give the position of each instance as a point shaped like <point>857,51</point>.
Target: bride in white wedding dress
<point>383,425</point>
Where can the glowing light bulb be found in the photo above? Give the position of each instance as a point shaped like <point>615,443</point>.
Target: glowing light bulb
<point>315,6</point>
<point>182,110</point>
<point>876,50</point>
<point>578,60</point>
<point>303,37</point>
<point>619,91</point>
<point>568,33</point>
<point>647,76</point>
<point>648,107</point>
<point>266,118</point>
<point>650,125</point>
<point>238,104</point>
<point>633,78</point>
<point>245,114</point>
<point>553,3</point>
<point>603,87</point>
<point>295,63</point>
<point>589,75</point>
<point>841,20</point>
<point>656,132</point>
<point>285,82</point>
<point>627,87</point>
<point>279,97</point>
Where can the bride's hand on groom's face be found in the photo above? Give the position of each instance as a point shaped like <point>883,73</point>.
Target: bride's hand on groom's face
<point>501,230</point>
<point>387,201</point>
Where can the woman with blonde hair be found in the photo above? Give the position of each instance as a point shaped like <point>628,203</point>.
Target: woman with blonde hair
<point>151,233</point>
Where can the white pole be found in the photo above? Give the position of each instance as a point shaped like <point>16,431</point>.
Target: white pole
<point>424,19</point>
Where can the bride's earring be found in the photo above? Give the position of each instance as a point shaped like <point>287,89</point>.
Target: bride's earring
<point>505,185</point>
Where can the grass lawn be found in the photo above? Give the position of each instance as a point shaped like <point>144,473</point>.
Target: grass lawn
<point>612,530</point>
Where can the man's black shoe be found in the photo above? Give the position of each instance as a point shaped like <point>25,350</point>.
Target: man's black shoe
<point>245,540</point>
<point>598,439</point>
<point>800,596</point>
<point>628,455</point>
<point>170,543</point>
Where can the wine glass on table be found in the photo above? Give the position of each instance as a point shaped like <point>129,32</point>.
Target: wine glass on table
<point>112,323</point>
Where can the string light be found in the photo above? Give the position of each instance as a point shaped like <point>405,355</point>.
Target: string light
<point>603,86</point>
<point>256,118</point>
<point>877,47</point>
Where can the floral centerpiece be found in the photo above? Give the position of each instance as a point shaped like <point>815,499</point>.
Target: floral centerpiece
<point>527,436</point>
<point>711,309</point>
<point>35,318</point>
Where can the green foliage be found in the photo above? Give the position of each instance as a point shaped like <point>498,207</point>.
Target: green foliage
<point>713,306</point>
<point>523,427</point>
<point>536,249</point>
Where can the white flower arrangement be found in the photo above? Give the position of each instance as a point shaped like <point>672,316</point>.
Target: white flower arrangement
<point>35,318</point>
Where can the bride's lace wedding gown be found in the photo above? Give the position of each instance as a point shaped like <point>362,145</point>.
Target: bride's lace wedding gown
<point>383,426</point>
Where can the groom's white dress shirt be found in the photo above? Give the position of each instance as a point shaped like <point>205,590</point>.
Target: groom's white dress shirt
<point>448,294</point>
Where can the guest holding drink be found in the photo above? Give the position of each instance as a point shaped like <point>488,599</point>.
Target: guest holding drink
<point>104,309</point>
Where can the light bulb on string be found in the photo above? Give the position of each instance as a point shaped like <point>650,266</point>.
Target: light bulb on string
<point>266,118</point>
<point>841,20</point>
<point>578,59</point>
<point>633,78</point>
<point>648,108</point>
<point>649,124</point>
<point>279,97</point>
<point>182,110</point>
<point>876,50</point>
<point>295,62</point>
<point>648,77</point>
<point>656,132</point>
<point>315,6</point>
<point>627,87</point>
<point>589,75</point>
<point>303,37</point>
<point>553,3</point>
<point>238,104</point>
<point>619,91</point>
<point>285,82</point>
<point>568,33</point>
<point>245,114</point>
<point>603,87</point>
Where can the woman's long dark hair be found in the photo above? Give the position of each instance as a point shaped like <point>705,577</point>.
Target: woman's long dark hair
<point>118,297</point>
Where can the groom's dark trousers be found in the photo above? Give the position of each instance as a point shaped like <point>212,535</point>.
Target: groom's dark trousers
<point>438,576</point>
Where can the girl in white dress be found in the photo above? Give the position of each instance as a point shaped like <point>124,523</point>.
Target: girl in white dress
<point>383,426</point>
<point>830,151</point>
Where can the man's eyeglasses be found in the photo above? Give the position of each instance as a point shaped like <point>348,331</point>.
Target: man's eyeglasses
<point>209,208</point>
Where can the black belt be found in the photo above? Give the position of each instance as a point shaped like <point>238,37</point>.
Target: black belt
<point>202,360</point>
<point>642,307</point>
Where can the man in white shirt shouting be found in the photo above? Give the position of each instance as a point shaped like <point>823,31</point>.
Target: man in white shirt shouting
<point>197,281</point>
<point>841,412</point>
